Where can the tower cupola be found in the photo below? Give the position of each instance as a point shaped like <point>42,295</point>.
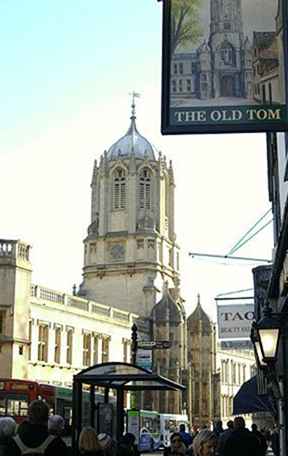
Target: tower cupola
<point>132,144</point>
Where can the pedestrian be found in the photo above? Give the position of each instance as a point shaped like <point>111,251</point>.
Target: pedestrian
<point>223,437</point>
<point>218,428</point>
<point>56,426</point>
<point>186,437</point>
<point>241,442</point>
<point>195,430</point>
<point>107,444</point>
<point>204,444</point>
<point>33,437</point>
<point>177,446</point>
<point>7,430</point>
<point>126,446</point>
<point>89,444</point>
<point>275,441</point>
<point>261,439</point>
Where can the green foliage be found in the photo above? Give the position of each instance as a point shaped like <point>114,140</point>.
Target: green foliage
<point>185,24</point>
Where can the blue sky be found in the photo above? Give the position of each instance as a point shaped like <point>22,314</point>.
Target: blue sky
<point>57,56</point>
<point>66,72</point>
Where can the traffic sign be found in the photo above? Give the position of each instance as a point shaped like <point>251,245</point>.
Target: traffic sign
<point>154,344</point>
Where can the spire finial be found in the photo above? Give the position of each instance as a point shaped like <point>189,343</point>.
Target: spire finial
<point>133,110</point>
<point>198,299</point>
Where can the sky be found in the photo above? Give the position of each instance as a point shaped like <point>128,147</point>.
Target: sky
<point>67,69</point>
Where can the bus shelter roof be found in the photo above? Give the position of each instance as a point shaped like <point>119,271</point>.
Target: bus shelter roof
<point>127,377</point>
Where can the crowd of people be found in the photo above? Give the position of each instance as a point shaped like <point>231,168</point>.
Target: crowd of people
<point>235,440</point>
<point>41,434</point>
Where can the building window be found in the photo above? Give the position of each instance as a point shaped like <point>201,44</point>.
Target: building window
<point>227,26</point>
<point>227,53</point>
<point>181,68</point>
<point>239,374</point>
<point>125,351</point>
<point>174,86</point>
<point>188,82</point>
<point>270,92</point>
<point>57,349</point>
<point>197,395</point>
<point>119,189</point>
<point>95,349</point>
<point>244,372</point>
<point>43,343</point>
<point>2,322</point>
<point>233,373</point>
<point>180,85</point>
<point>145,189</point>
<point>175,68</point>
<point>30,339</point>
<point>105,349</point>
<point>171,262</point>
<point>69,345</point>
<point>194,67</point>
<point>86,349</point>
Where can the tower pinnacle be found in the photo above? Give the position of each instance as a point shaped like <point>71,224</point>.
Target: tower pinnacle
<point>133,106</point>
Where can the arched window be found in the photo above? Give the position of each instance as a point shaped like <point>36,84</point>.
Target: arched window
<point>228,53</point>
<point>119,189</point>
<point>145,189</point>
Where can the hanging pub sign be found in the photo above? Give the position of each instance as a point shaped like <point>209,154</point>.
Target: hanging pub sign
<point>224,66</point>
<point>235,320</point>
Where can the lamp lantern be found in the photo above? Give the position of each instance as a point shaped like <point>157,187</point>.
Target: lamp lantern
<point>268,331</point>
<point>257,349</point>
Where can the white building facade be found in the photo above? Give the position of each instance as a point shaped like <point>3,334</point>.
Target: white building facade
<point>47,335</point>
<point>236,367</point>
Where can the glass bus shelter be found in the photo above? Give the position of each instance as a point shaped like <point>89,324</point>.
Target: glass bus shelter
<point>120,377</point>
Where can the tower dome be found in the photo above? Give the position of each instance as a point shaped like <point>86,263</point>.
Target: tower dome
<point>132,144</point>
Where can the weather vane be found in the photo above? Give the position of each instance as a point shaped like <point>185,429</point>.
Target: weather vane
<point>134,95</point>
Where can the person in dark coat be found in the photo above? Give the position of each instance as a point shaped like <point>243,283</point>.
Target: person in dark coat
<point>241,442</point>
<point>126,446</point>
<point>177,446</point>
<point>33,434</point>
<point>275,442</point>
<point>261,439</point>
<point>223,437</point>
<point>7,430</point>
<point>218,428</point>
<point>186,437</point>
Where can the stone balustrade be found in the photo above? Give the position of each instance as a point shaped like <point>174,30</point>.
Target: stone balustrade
<point>51,296</point>
<point>14,249</point>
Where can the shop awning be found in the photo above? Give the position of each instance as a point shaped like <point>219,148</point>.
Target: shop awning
<point>247,400</point>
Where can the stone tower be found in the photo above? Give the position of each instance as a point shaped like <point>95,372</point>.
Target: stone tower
<point>169,323</point>
<point>201,355</point>
<point>227,46</point>
<point>15,286</point>
<point>130,249</point>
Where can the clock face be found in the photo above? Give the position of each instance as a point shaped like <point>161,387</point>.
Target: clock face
<point>117,251</point>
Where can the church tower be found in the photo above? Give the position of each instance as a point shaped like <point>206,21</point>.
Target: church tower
<point>227,46</point>
<point>201,355</point>
<point>130,249</point>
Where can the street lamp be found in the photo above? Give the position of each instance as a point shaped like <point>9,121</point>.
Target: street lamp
<point>257,349</point>
<point>268,332</point>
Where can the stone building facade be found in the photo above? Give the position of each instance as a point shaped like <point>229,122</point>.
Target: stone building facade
<point>235,366</point>
<point>203,385</point>
<point>47,335</point>
<point>131,274</point>
<point>131,245</point>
